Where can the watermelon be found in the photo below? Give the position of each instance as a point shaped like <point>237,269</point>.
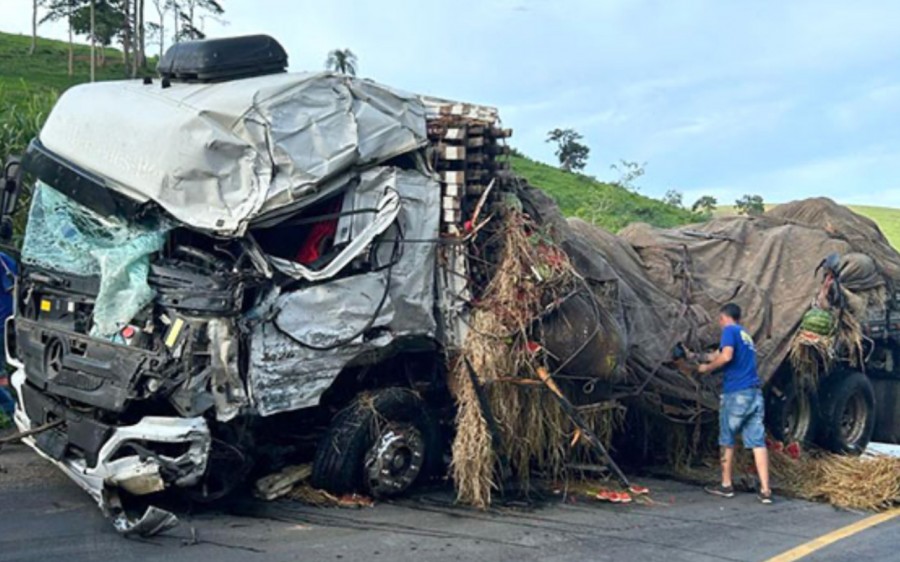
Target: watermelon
<point>818,321</point>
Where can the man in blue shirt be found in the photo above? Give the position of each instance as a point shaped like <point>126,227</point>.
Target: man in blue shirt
<point>8,273</point>
<point>741,410</point>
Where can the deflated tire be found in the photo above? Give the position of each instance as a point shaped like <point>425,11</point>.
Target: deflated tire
<point>380,445</point>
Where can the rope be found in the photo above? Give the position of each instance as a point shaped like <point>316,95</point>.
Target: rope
<point>28,433</point>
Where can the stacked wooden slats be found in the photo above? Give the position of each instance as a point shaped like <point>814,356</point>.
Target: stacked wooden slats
<point>467,142</point>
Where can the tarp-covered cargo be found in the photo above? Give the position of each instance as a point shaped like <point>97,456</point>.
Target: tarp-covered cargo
<point>669,284</point>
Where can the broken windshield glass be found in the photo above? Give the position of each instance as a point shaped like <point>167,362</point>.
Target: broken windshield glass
<point>67,237</point>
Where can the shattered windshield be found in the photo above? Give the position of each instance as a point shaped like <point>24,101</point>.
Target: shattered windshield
<point>67,237</point>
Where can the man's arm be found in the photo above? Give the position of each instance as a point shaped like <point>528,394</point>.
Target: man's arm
<point>702,357</point>
<point>719,360</point>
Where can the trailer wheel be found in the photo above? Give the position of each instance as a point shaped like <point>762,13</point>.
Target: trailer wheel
<point>791,414</point>
<point>380,445</point>
<point>848,412</point>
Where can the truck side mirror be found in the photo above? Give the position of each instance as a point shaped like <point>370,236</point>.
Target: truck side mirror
<point>12,185</point>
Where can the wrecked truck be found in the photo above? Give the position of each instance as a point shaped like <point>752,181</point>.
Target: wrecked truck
<point>232,254</point>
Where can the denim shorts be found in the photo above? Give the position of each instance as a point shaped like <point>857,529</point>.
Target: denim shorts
<point>742,412</point>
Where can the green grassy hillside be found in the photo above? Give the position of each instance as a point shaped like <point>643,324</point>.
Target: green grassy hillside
<point>604,204</point>
<point>22,74</point>
<point>888,220</point>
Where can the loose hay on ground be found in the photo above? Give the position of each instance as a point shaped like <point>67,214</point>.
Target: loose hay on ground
<point>869,483</point>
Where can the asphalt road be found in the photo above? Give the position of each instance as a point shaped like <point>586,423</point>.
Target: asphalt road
<point>45,517</point>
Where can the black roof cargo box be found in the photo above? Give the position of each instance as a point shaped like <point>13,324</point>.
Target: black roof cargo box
<point>218,60</point>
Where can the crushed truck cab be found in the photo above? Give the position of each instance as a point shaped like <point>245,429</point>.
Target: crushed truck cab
<point>230,245</point>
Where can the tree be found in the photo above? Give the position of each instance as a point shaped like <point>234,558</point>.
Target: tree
<point>125,32</point>
<point>176,14</point>
<point>139,26</point>
<point>673,198</point>
<point>35,5</point>
<point>343,61</point>
<point>751,205</point>
<point>158,28</point>
<point>628,173</point>
<point>106,25</point>
<point>596,204</point>
<point>706,205</point>
<point>571,153</point>
<point>64,10</point>
<point>187,12</point>
<point>93,41</point>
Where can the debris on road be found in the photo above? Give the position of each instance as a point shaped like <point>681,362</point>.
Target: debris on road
<point>868,482</point>
<point>865,482</point>
<point>281,483</point>
<point>306,494</point>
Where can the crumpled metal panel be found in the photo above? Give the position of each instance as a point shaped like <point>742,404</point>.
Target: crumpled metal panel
<point>217,156</point>
<point>350,304</point>
<point>375,190</point>
<point>285,374</point>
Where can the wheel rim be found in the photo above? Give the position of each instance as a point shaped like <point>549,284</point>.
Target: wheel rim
<point>853,419</point>
<point>797,418</point>
<point>395,459</point>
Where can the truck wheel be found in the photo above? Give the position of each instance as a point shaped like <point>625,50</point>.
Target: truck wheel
<point>848,412</point>
<point>380,445</point>
<point>791,414</point>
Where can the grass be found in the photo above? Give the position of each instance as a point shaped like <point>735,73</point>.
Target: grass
<point>22,75</point>
<point>605,204</point>
<point>888,219</point>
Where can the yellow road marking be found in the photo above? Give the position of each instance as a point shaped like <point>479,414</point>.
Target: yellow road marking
<point>834,536</point>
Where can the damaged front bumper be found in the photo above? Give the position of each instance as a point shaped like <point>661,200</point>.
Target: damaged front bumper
<point>149,456</point>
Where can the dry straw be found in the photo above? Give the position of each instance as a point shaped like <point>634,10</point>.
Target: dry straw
<point>813,355</point>
<point>867,482</point>
<point>864,482</point>
<point>532,276</point>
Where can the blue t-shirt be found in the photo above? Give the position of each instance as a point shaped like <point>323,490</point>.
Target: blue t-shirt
<point>8,272</point>
<point>740,372</point>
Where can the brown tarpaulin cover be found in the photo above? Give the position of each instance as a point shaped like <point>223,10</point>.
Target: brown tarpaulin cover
<point>666,286</point>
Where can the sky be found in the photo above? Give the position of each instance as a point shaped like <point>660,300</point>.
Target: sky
<point>715,97</point>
